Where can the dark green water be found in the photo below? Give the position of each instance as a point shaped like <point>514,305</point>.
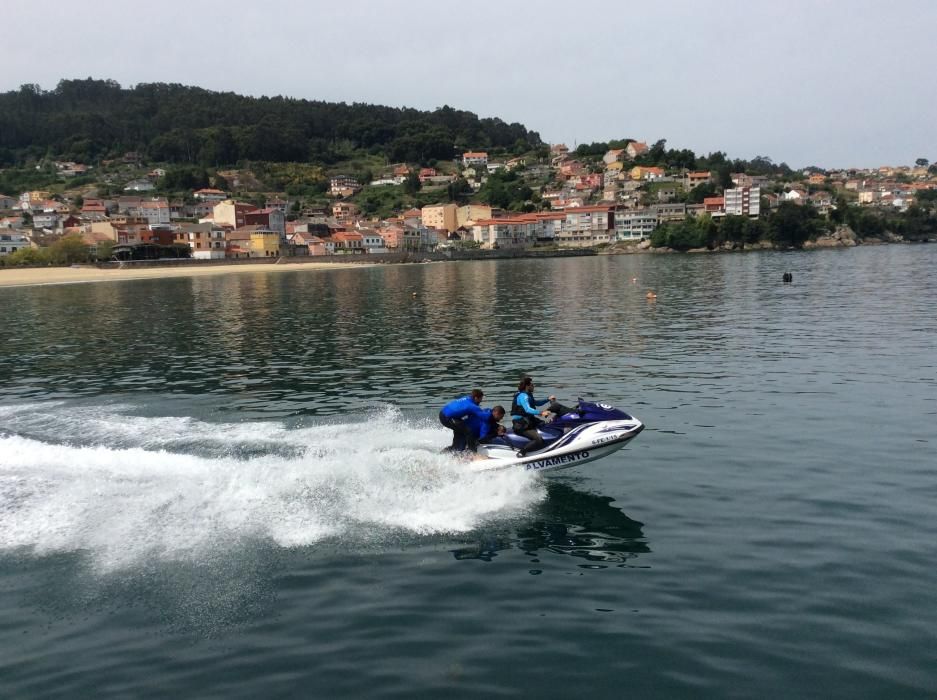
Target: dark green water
<point>229,486</point>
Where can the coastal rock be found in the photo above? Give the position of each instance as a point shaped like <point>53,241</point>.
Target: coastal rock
<point>842,237</point>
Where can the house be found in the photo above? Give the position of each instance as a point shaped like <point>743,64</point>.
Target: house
<point>472,158</point>
<point>646,172</point>
<point>12,242</point>
<point>513,163</point>
<point>798,196</point>
<point>441,216</point>
<point>126,231</point>
<point>282,205</point>
<point>745,180</point>
<point>693,180</point>
<point>161,235</point>
<point>505,232</point>
<point>207,241</point>
<point>412,217</point>
<point>673,211</point>
<point>93,209</point>
<point>343,185</point>
<point>631,224</point>
<point>615,155</point>
<point>714,206</point>
<point>237,242</point>
<point>11,222</point>
<point>372,241</point>
<point>636,149</point>
<point>743,201</point>
<point>822,201</point>
<point>33,199</point>
<point>264,243</point>
<point>401,171</point>
<point>613,171</point>
<point>70,169</point>
<point>128,204</point>
<point>155,211</point>
<point>270,218</point>
<point>471,212</point>
<point>7,202</point>
<point>46,219</point>
<point>426,174</point>
<point>231,213</point>
<point>586,226</point>
<point>210,195</point>
<point>348,243</point>
<point>139,186</point>
<point>344,212</point>
<point>816,179</point>
<point>314,244</point>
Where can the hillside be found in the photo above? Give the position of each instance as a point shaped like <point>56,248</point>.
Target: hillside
<point>89,120</point>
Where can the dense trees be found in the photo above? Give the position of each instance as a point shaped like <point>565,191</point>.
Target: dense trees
<point>507,190</point>
<point>65,251</point>
<point>90,119</point>
<point>791,225</point>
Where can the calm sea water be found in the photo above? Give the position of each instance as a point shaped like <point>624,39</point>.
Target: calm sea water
<point>230,486</point>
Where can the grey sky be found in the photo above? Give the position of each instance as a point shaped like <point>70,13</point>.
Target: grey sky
<point>834,84</point>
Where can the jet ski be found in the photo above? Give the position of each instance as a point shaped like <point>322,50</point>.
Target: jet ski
<point>587,433</point>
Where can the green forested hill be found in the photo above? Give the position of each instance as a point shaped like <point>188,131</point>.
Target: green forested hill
<point>86,120</point>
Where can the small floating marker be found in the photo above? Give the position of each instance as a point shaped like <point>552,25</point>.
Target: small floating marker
<point>788,278</point>
<point>650,295</point>
<point>634,280</point>
<point>413,295</point>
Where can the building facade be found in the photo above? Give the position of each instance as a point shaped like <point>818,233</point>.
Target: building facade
<point>743,201</point>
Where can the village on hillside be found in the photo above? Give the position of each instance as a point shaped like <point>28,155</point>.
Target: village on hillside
<point>572,202</point>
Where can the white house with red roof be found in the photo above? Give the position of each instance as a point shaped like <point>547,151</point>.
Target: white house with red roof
<point>636,149</point>
<point>470,158</point>
<point>210,195</point>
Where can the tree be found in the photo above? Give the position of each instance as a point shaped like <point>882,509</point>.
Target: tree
<point>656,153</point>
<point>459,190</point>
<point>921,162</point>
<point>412,184</point>
<point>104,250</point>
<point>793,224</point>
<point>700,192</point>
<point>69,249</point>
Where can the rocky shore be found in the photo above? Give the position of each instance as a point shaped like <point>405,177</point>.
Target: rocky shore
<point>842,237</point>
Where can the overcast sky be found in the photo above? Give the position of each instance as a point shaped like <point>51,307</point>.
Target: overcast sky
<point>835,84</point>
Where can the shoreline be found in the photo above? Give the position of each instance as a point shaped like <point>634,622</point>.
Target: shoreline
<point>88,273</point>
<point>43,276</point>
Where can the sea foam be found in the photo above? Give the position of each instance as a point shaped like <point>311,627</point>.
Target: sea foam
<point>127,488</point>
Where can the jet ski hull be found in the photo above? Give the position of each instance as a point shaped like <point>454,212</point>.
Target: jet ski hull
<point>581,444</point>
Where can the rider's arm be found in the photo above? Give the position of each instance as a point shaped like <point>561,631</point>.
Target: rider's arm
<point>524,402</point>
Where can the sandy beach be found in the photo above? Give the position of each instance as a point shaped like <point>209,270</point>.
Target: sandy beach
<point>16,277</point>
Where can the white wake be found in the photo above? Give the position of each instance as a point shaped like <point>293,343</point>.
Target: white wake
<point>125,488</point>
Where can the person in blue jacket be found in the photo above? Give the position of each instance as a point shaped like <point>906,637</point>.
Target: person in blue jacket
<point>488,426</point>
<point>525,417</point>
<point>454,414</point>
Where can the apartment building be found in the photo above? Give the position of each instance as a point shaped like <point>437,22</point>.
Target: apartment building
<point>743,201</point>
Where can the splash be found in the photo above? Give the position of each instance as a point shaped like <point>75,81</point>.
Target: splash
<point>127,489</point>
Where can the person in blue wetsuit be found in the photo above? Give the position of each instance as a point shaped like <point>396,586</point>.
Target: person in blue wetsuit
<point>489,425</point>
<point>454,416</point>
<point>525,417</point>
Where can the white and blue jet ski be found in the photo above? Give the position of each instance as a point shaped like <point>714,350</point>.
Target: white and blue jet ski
<point>587,433</point>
